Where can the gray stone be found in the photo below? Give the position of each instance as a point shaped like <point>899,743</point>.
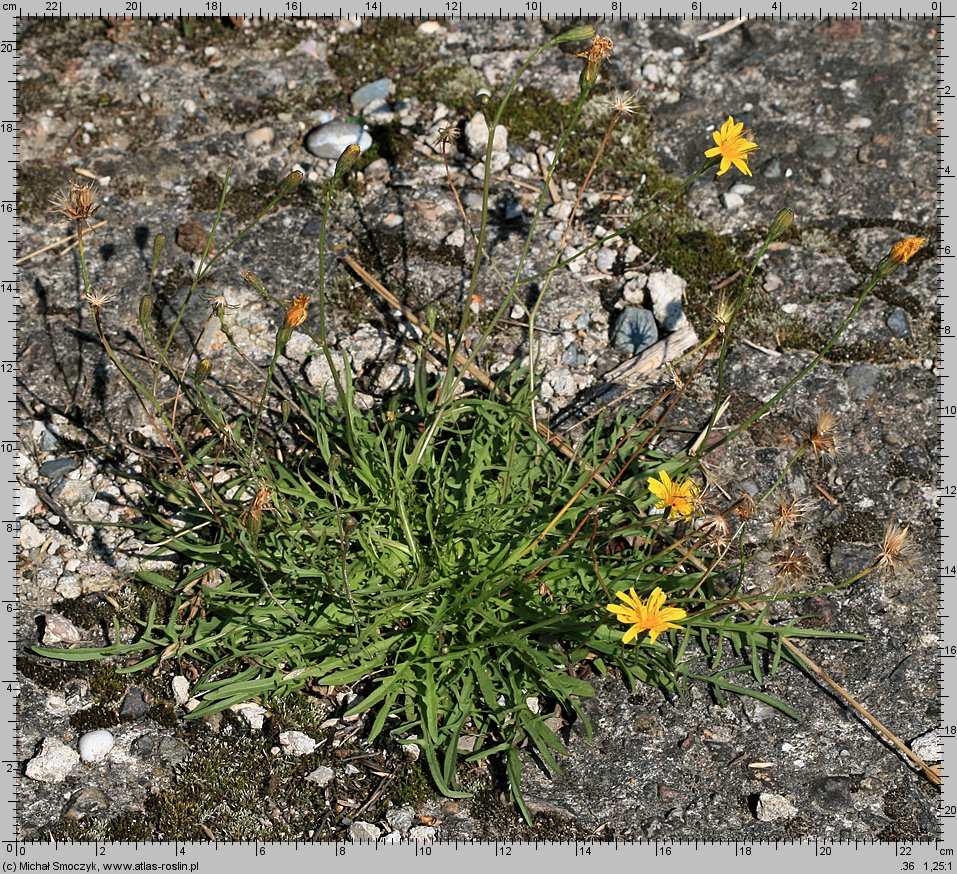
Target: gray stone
<point>666,290</point>
<point>831,793</point>
<point>134,704</point>
<point>369,94</point>
<point>605,260</point>
<point>322,776</point>
<point>364,831</point>
<point>862,380</point>
<point>54,761</point>
<point>898,322</point>
<point>822,146</point>
<point>86,802</point>
<point>476,138</point>
<point>848,559</point>
<point>171,751</point>
<point>400,818</point>
<point>772,807</point>
<point>59,629</point>
<point>296,743</point>
<point>58,467</point>
<point>331,140</point>
<point>634,330</point>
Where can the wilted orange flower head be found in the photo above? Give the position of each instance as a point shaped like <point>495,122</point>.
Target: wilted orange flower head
<point>296,314</point>
<point>903,251</point>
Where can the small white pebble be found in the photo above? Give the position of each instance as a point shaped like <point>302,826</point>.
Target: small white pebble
<point>180,689</point>
<point>95,745</point>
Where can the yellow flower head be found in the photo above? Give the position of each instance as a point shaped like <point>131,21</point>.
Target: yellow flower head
<point>732,147</point>
<point>903,251</point>
<point>678,498</point>
<point>651,616</point>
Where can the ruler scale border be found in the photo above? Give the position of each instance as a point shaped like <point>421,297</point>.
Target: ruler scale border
<point>920,856</point>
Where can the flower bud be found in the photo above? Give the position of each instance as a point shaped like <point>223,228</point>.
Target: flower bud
<point>781,224</point>
<point>202,371</point>
<point>253,281</point>
<point>290,183</point>
<point>159,243</point>
<point>346,160</point>
<point>146,310</point>
<point>584,31</point>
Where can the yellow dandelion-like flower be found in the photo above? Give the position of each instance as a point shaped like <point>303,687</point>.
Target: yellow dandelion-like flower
<point>903,251</point>
<point>679,498</point>
<point>732,147</point>
<point>651,615</point>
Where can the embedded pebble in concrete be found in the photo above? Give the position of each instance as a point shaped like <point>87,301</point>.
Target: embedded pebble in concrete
<point>331,140</point>
<point>322,776</point>
<point>296,743</point>
<point>772,807</point>
<point>364,831</point>
<point>634,330</point>
<point>369,94</point>
<point>666,290</point>
<point>59,629</point>
<point>52,764</point>
<point>259,138</point>
<point>96,745</point>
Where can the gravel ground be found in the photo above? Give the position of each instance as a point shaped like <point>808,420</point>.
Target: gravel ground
<point>844,112</point>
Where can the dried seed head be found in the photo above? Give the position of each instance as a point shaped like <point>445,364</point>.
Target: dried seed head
<point>716,528</point>
<point>895,548</point>
<point>743,508</point>
<point>218,303</point>
<point>723,313</point>
<point>97,298</point>
<point>79,204</point>
<point>622,102</point>
<point>789,513</point>
<point>824,440</point>
<point>252,516</point>
<point>447,135</point>
<point>791,565</point>
<point>601,48</point>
